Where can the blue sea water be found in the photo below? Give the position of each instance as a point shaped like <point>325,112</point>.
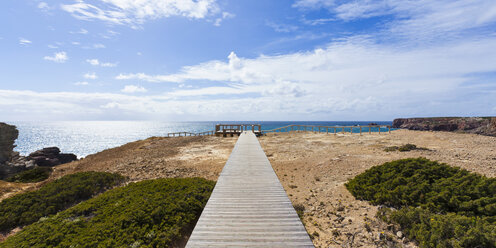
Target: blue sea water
<point>87,137</point>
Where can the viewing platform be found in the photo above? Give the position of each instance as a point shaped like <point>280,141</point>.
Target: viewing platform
<point>248,206</point>
<point>236,129</point>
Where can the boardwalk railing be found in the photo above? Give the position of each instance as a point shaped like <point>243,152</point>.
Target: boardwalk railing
<point>237,129</point>
<point>331,129</point>
<point>183,134</point>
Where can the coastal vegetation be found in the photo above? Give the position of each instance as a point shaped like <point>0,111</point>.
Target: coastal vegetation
<point>404,148</point>
<point>151,213</point>
<point>433,203</point>
<point>34,175</point>
<point>27,208</point>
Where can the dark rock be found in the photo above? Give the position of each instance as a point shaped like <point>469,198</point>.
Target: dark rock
<point>8,135</point>
<point>67,158</point>
<point>51,156</point>
<point>477,125</point>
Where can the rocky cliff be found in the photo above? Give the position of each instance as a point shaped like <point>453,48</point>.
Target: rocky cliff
<point>8,135</point>
<point>477,125</point>
<point>12,163</point>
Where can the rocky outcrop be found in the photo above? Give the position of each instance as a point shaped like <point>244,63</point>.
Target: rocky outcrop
<point>477,125</point>
<point>8,135</point>
<point>12,163</point>
<point>51,156</point>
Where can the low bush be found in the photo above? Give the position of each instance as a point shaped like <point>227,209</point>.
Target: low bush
<point>152,213</point>
<point>26,208</point>
<point>434,201</point>
<point>34,175</point>
<point>391,149</point>
<point>442,230</point>
<point>404,148</point>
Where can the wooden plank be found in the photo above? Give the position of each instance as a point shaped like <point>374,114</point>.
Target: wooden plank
<point>248,206</point>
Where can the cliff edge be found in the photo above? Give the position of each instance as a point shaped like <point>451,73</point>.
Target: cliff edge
<point>477,125</point>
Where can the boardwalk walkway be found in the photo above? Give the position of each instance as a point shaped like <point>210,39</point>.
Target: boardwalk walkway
<point>249,207</point>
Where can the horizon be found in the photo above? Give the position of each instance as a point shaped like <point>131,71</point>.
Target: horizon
<point>310,60</point>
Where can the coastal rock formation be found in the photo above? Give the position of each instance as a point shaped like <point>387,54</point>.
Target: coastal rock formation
<point>51,156</point>
<point>8,135</point>
<point>12,162</point>
<point>477,125</point>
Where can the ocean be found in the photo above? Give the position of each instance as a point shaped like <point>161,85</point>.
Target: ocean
<point>87,137</point>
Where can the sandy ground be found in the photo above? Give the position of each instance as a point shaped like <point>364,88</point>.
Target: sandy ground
<point>312,167</point>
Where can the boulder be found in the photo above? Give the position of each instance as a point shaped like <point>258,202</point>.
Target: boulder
<point>51,156</point>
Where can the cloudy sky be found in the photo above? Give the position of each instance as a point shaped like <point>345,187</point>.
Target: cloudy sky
<point>177,60</point>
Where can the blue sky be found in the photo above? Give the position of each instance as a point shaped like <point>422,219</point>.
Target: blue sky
<point>176,60</point>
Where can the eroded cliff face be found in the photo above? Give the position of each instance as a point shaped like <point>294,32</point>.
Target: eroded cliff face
<point>8,135</point>
<point>477,125</point>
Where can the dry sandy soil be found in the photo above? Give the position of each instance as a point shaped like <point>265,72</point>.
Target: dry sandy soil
<point>312,167</point>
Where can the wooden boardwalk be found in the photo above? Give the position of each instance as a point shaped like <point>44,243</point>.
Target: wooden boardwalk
<point>248,206</point>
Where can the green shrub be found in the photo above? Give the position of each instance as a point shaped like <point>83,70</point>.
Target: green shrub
<point>391,149</point>
<point>429,184</point>
<point>442,230</point>
<point>53,197</point>
<point>152,213</point>
<point>34,175</point>
<point>438,205</point>
<point>404,148</point>
<point>407,147</point>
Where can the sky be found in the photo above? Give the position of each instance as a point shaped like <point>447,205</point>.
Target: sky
<point>265,60</point>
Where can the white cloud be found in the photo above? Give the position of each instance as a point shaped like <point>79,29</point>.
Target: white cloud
<point>137,12</point>
<point>355,75</point>
<point>81,83</point>
<point>133,89</point>
<point>81,31</point>
<point>94,46</point>
<point>98,46</point>
<point>75,43</point>
<point>96,62</point>
<point>60,57</point>
<point>225,15</point>
<point>52,47</point>
<point>314,4</point>
<point>43,6</point>
<point>91,75</point>
<point>422,19</point>
<point>23,41</point>
<point>109,34</point>
<point>149,78</point>
<point>282,28</point>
